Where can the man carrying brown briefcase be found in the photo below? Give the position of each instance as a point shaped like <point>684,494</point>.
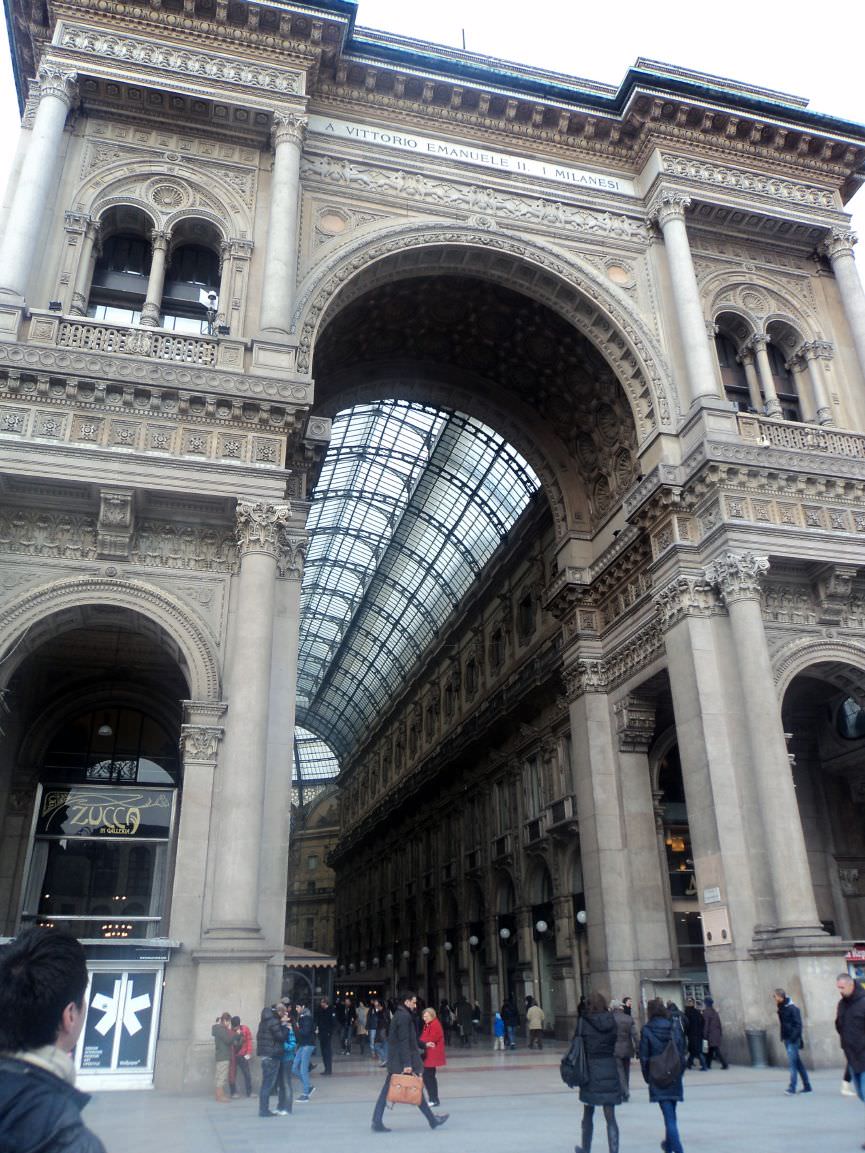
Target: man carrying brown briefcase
<point>403,1056</point>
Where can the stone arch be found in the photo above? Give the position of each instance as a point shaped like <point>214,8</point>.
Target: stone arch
<point>840,662</point>
<point>193,640</point>
<point>568,286</point>
<point>539,870</point>
<point>755,297</point>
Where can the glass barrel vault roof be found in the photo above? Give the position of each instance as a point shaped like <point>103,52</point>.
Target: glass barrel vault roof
<point>411,503</point>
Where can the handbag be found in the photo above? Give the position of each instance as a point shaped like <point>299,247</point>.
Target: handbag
<point>574,1066</point>
<point>405,1089</point>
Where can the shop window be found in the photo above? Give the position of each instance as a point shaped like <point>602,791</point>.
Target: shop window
<point>689,941</point>
<point>732,373</point>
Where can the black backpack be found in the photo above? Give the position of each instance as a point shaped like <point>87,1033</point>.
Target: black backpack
<point>665,1068</point>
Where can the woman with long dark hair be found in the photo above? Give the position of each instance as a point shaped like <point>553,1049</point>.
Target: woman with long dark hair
<point>598,1028</point>
<point>657,1031</point>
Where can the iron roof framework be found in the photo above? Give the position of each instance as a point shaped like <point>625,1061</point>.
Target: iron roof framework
<point>411,503</point>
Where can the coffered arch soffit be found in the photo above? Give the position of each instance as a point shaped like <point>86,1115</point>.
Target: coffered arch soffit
<point>758,300</point>
<point>165,197</point>
<point>52,609</point>
<point>568,286</point>
<point>519,424</point>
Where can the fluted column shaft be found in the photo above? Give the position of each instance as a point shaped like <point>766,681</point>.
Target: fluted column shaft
<point>737,577</point>
<point>280,259</point>
<point>36,183</point>
<point>151,313</point>
<point>235,902</point>
<point>839,249</point>
<point>669,212</point>
<point>764,371</point>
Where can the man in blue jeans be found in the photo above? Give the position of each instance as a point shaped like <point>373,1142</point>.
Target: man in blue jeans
<point>790,1020</point>
<point>305,1030</point>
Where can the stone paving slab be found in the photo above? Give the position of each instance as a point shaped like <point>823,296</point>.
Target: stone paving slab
<point>498,1103</point>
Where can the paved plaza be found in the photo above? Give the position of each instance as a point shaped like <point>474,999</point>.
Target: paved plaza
<point>498,1103</point>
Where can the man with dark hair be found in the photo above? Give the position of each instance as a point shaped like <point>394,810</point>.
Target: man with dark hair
<point>850,1023</point>
<point>790,1021</point>
<point>43,979</point>
<point>403,1056</point>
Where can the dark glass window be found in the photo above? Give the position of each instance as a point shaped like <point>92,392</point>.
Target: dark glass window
<point>785,385</point>
<point>113,746</point>
<point>732,373</point>
<point>851,720</point>
<point>125,253</point>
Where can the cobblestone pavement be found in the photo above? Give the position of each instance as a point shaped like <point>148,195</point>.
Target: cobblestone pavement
<point>498,1103</point>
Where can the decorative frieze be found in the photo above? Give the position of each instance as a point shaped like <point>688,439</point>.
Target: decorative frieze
<point>750,183</point>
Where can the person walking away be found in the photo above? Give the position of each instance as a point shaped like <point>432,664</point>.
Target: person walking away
<point>432,1039</point>
<point>403,1056</point>
<point>498,1033</point>
<point>241,1043</point>
<point>346,1016</point>
<point>325,1019</point>
<point>43,982</point>
<point>464,1020</point>
<point>712,1033</point>
<point>511,1018</point>
<point>305,1032</point>
<point>446,1016</point>
<point>477,1017</point>
<point>223,1046</point>
<point>694,1035</point>
<point>850,1023</point>
<point>269,1042</point>
<point>627,1042</point>
<point>361,1027</point>
<point>284,1087</point>
<point>790,1021</point>
<point>657,1033</point>
<point>604,1087</point>
<point>535,1020</point>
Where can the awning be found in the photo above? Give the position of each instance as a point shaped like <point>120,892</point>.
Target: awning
<point>297,958</point>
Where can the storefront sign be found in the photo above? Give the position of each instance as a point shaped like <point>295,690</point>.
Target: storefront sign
<point>87,811</point>
<point>470,154</point>
<point>117,1032</point>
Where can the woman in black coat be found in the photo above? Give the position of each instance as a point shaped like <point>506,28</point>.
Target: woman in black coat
<point>598,1028</point>
<point>657,1031</point>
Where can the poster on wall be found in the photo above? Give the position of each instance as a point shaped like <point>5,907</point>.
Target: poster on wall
<point>101,1020</point>
<point>120,1020</point>
<point>135,1021</point>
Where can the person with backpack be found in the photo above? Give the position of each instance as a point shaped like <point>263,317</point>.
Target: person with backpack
<point>603,1087</point>
<point>662,1060</point>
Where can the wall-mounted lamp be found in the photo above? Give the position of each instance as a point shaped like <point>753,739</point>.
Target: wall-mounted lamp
<point>405,954</point>
<point>425,950</point>
<point>581,917</point>
<point>473,941</point>
<point>389,958</point>
<point>504,934</point>
<point>375,962</point>
<point>541,926</point>
<point>448,946</point>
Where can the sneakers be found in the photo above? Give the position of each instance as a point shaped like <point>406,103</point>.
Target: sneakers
<point>281,1113</point>
<point>434,1104</point>
<point>847,1089</point>
<point>807,1089</point>
<point>790,1092</point>
<point>304,1097</point>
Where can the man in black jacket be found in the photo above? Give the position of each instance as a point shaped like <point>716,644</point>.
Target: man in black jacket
<point>403,1056</point>
<point>790,1020</point>
<point>850,1023</point>
<point>43,978</point>
<point>325,1022</point>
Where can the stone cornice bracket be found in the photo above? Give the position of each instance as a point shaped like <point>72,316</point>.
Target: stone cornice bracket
<point>116,523</point>
<point>288,128</point>
<point>291,556</point>
<point>667,204</point>
<point>635,723</point>
<point>565,592</point>
<point>839,242</point>
<point>589,676</point>
<point>833,586</point>
<point>687,594</point>
<point>259,526</point>
<point>737,576</point>
<point>55,81</point>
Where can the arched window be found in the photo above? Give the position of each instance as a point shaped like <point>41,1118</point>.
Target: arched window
<point>122,269</point>
<point>191,287</point>
<point>732,373</point>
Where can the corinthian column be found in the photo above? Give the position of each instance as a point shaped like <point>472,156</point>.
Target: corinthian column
<point>839,249</point>
<point>235,899</point>
<point>84,272</point>
<point>737,577</point>
<point>151,313</point>
<point>814,352</point>
<point>280,259</point>
<point>36,182</point>
<point>759,344</point>
<point>668,209</point>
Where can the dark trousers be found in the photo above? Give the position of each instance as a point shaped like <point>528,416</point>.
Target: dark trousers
<point>242,1067</point>
<point>588,1125</point>
<point>269,1075</point>
<point>715,1052</point>
<point>326,1046</point>
<point>672,1141</point>
<point>378,1111</point>
<point>430,1083</point>
<point>285,1098</point>
<point>623,1067</point>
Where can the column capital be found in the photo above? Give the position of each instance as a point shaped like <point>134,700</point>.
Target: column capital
<point>239,249</point>
<point>745,355</point>
<point>839,242</point>
<point>667,205</point>
<point>816,350</point>
<point>76,221</point>
<point>737,576</point>
<point>57,82</point>
<point>259,526</point>
<point>160,238</point>
<point>288,128</point>
<point>687,594</point>
<point>200,743</point>
<point>291,555</point>
<point>588,676</point>
<point>756,342</point>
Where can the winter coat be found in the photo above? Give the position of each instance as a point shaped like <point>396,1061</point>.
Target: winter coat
<point>850,1023</point>
<point>790,1020</point>
<point>712,1030</point>
<point>39,1111</point>
<point>627,1038</point>
<point>694,1030</point>
<point>599,1038</point>
<point>535,1017</point>
<point>433,1035</point>
<point>223,1041</point>
<point>270,1039</point>
<point>510,1016</point>
<point>403,1051</point>
<point>653,1041</point>
<point>498,1026</point>
<point>305,1028</point>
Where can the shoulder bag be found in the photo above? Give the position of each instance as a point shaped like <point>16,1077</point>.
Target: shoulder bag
<point>574,1066</point>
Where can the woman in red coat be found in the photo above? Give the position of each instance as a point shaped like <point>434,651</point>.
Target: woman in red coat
<point>432,1041</point>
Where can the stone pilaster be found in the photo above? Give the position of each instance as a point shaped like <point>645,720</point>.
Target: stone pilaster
<point>280,259</point>
<point>235,256</point>
<point>667,209</point>
<point>839,248</point>
<point>37,182</point>
<point>738,576</point>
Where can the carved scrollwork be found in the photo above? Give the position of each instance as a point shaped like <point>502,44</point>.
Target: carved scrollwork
<point>839,242</point>
<point>291,556</point>
<point>737,576</point>
<point>688,594</point>
<point>289,128</point>
<point>200,742</point>
<point>58,82</point>
<point>260,525</point>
